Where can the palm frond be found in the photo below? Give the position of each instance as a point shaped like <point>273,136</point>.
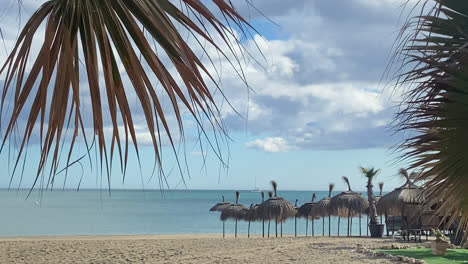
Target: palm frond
<point>434,51</point>
<point>113,39</point>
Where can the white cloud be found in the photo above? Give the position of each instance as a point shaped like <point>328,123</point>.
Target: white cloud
<point>319,84</point>
<point>270,144</point>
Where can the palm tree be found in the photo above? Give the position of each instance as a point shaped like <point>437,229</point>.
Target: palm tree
<point>433,51</point>
<point>130,44</point>
<point>370,174</point>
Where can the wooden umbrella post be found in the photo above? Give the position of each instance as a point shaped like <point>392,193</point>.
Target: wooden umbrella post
<point>281,228</point>
<point>296,209</point>
<point>339,218</point>
<point>349,212</point>
<point>276,226</point>
<point>263,227</point>
<point>360,225</point>
<point>323,226</point>
<point>269,228</point>
<point>313,231</point>
<point>236,228</point>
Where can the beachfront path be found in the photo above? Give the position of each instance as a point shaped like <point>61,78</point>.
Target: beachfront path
<point>186,249</point>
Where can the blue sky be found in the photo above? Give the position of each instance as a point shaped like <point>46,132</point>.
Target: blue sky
<point>319,109</point>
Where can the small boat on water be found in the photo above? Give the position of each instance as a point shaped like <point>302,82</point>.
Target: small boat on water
<point>255,189</point>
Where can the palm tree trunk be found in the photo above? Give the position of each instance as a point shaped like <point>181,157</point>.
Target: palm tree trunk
<point>367,226</point>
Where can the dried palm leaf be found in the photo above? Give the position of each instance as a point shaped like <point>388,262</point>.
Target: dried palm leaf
<point>110,39</point>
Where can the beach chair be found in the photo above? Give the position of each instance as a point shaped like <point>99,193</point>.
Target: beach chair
<point>393,224</point>
<point>429,221</point>
<point>414,228</point>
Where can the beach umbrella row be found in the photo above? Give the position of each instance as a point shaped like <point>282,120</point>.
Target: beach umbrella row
<point>347,204</point>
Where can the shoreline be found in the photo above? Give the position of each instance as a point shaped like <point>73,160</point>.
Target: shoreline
<point>113,237</point>
<point>176,237</point>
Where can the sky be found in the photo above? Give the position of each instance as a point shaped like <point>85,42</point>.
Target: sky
<point>318,108</point>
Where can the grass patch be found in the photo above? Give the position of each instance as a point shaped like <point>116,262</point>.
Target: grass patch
<point>452,256</point>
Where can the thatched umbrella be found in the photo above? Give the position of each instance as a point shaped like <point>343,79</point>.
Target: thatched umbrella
<point>251,215</point>
<point>219,207</point>
<point>276,208</point>
<point>306,211</point>
<point>234,211</point>
<point>270,195</point>
<point>295,217</point>
<point>321,209</point>
<point>348,204</point>
<point>394,202</point>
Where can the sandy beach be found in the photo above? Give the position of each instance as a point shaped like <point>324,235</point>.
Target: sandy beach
<point>186,249</point>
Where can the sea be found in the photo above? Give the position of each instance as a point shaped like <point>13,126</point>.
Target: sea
<point>133,212</point>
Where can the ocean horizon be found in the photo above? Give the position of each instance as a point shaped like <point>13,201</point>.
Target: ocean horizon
<point>140,212</point>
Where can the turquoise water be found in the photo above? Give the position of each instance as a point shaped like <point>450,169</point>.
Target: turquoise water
<point>92,212</point>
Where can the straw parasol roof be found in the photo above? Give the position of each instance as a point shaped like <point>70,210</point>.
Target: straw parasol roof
<point>276,208</point>
<point>220,206</point>
<point>321,208</point>
<point>348,203</point>
<point>252,213</point>
<point>305,210</point>
<point>393,202</point>
<point>234,211</point>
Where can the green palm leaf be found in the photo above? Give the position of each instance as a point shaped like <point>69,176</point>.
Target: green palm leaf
<point>96,35</point>
<point>436,105</point>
